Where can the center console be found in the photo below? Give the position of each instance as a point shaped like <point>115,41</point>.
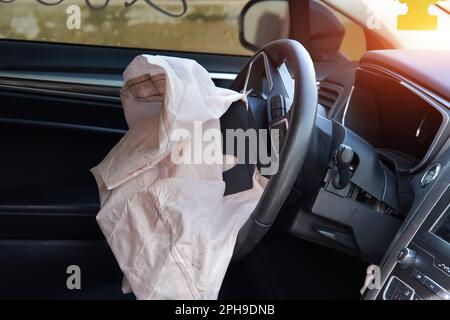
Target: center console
<point>417,264</point>
<point>422,270</point>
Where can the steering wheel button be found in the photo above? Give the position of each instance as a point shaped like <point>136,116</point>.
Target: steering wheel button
<point>277,113</point>
<point>277,107</point>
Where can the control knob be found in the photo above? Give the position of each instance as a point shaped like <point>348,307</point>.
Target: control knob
<point>406,258</point>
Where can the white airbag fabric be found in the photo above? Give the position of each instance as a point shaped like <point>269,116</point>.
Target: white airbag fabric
<point>169,225</point>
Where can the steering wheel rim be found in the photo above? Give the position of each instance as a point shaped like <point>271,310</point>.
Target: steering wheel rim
<point>296,144</point>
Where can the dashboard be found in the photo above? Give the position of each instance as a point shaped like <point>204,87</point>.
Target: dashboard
<point>417,264</point>
<point>394,211</point>
<point>395,129</point>
<point>400,106</point>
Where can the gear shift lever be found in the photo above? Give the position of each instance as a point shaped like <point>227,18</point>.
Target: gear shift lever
<point>344,157</point>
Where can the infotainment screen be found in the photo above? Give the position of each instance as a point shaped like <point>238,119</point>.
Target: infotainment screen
<point>442,230</point>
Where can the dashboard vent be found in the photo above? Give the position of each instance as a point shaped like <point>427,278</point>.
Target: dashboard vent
<point>329,94</point>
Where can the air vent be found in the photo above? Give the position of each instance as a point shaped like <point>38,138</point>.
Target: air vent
<point>329,94</point>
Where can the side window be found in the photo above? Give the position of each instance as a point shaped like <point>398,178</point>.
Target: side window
<point>206,26</point>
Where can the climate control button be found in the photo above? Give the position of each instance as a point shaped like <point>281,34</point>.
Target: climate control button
<point>431,285</point>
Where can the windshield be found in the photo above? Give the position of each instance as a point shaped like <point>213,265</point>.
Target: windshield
<point>409,24</point>
<point>181,25</point>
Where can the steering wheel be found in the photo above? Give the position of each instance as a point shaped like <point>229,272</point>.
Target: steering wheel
<point>300,122</point>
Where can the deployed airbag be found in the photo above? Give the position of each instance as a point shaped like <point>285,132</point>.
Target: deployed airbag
<point>169,225</point>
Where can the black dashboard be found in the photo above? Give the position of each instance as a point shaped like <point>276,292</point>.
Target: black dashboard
<point>403,112</point>
<point>417,264</point>
<point>393,211</point>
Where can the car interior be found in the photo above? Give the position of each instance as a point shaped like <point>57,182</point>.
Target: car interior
<point>364,166</point>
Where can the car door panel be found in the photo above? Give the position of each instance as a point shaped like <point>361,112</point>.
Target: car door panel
<point>48,198</point>
<point>38,269</point>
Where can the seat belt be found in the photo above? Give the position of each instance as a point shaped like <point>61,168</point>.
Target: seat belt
<point>300,27</point>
